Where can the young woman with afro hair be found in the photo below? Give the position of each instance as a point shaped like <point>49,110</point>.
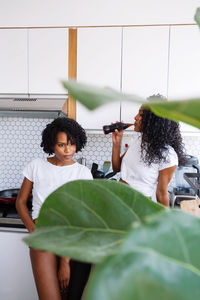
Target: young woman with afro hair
<point>151,159</point>
<point>61,139</point>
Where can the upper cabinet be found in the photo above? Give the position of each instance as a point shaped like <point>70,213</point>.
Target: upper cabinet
<point>33,60</point>
<point>144,65</point>
<point>184,75</point>
<point>48,60</point>
<point>142,60</point>
<point>13,61</point>
<point>99,63</point>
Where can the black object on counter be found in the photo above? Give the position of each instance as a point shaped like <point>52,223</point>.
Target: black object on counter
<point>100,174</point>
<point>95,172</point>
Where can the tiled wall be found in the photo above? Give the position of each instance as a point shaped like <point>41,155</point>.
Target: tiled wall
<point>20,140</point>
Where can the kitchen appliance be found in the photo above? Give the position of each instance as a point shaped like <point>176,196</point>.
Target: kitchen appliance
<point>183,190</point>
<point>194,181</point>
<point>8,214</point>
<point>30,106</point>
<point>100,174</point>
<point>33,102</point>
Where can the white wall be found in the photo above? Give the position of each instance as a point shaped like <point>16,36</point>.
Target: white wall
<point>95,12</point>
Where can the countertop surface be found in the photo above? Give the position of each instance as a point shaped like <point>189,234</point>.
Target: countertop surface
<point>13,229</point>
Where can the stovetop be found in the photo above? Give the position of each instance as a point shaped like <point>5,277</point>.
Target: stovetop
<point>9,217</point>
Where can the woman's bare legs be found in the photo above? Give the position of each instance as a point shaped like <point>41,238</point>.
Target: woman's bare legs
<point>44,265</point>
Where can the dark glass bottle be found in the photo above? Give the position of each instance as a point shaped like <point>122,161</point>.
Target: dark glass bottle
<point>119,126</point>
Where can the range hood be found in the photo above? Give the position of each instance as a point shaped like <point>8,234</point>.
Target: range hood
<point>32,105</point>
<point>32,102</point>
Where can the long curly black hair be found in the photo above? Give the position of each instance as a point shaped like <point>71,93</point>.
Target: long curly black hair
<point>157,133</point>
<point>75,134</point>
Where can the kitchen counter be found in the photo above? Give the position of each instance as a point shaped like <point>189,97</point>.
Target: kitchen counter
<point>12,229</point>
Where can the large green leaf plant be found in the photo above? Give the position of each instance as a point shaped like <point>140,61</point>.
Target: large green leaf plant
<point>140,249</point>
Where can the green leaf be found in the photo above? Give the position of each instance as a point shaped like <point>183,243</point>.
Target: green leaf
<point>197,16</point>
<point>159,258</point>
<point>186,111</point>
<point>93,97</point>
<point>173,234</point>
<point>87,219</point>
<point>142,275</point>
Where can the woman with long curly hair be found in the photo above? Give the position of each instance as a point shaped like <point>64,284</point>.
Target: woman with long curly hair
<point>152,157</point>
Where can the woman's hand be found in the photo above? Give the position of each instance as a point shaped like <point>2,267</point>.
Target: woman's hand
<point>64,272</point>
<point>116,159</point>
<point>117,136</point>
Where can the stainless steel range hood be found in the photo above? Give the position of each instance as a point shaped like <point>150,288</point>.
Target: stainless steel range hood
<point>32,101</point>
<point>31,105</point>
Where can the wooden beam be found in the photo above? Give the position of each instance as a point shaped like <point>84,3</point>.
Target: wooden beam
<point>72,67</point>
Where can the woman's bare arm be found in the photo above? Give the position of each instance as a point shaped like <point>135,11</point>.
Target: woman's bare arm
<point>21,204</point>
<point>116,159</point>
<point>162,188</point>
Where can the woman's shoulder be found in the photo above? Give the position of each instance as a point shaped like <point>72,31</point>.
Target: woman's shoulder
<point>32,168</point>
<point>83,170</point>
<point>170,151</point>
<point>80,166</point>
<point>36,162</point>
<point>171,158</point>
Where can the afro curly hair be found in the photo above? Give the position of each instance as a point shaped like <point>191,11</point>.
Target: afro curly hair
<point>75,134</point>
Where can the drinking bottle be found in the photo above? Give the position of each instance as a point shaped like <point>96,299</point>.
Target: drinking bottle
<point>119,126</point>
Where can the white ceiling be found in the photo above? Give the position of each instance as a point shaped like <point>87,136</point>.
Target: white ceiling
<point>35,13</point>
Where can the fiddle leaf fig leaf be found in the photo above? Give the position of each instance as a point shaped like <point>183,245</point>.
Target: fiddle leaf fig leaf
<point>143,274</point>
<point>88,219</point>
<point>186,111</point>
<point>93,97</point>
<point>159,258</point>
<point>197,16</point>
<point>173,234</point>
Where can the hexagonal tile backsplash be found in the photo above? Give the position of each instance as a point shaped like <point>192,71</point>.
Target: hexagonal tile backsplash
<point>20,140</point>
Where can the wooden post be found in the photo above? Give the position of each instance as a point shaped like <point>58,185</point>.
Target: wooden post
<point>72,65</point>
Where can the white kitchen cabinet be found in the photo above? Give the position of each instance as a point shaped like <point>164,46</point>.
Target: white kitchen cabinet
<point>48,60</point>
<point>13,61</point>
<point>33,60</point>
<point>16,278</point>
<point>184,75</point>
<point>99,63</point>
<point>145,65</point>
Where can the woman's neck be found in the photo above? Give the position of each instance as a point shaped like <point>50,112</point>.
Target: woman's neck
<point>56,162</point>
